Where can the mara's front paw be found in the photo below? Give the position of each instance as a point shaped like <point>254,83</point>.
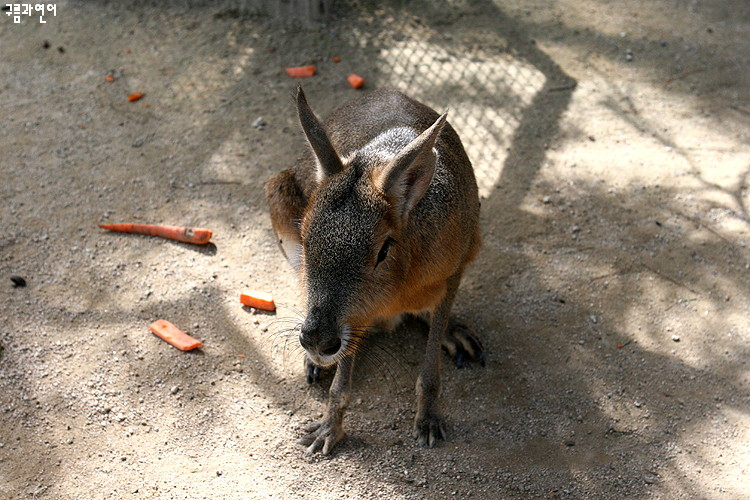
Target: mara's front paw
<point>428,429</point>
<point>322,436</point>
<point>312,372</point>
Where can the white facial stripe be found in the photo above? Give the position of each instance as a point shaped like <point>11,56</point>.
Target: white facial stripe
<point>293,252</point>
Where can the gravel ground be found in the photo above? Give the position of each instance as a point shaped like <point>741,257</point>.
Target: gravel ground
<point>611,144</point>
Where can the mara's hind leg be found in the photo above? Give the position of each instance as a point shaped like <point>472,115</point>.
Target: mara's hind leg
<point>286,203</point>
<point>461,344</point>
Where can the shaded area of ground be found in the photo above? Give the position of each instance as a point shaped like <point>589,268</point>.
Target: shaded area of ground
<point>611,293</point>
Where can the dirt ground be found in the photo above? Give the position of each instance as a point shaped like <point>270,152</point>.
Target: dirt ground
<point>611,142</point>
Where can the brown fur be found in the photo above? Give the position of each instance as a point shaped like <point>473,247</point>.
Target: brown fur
<point>383,209</point>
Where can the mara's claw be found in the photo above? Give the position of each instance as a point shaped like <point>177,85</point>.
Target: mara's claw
<point>312,372</point>
<point>462,345</point>
<point>321,436</point>
<point>428,429</point>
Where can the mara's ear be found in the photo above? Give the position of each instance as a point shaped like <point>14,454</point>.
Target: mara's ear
<point>406,178</point>
<point>327,160</point>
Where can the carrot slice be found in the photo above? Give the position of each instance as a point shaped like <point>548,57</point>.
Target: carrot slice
<point>109,78</point>
<point>135,96</point>
<point>355,81</point>
<point>301,71</point>
<point>336,59</point>
<point>197,236</point>
<point>173,335</point>
<point>258,300</point>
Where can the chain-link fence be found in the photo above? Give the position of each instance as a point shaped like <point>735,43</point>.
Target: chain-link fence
<point>497,86</point>
<point>484,88</point>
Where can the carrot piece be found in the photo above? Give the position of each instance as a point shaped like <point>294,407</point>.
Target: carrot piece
<point>258,300</point>
<point>301,71</point>
<point>336,59</point>
<point>173,335</point>
<point>109,78</point>
<point>135,97</point>
<point>355,81</point>
<point>196,236</point>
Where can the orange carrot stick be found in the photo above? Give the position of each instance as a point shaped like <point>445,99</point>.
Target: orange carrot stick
<point>301,71</point>
<point>135,96</point>
<point>258,300</point>
<point>197,236</point>
<point>109,78</point>
<point>167,331</point>
<point>355,81</point>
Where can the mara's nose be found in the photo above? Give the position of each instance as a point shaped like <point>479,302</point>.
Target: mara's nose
<point>315,340</point>
<point>310,333</point>
<point>325,347</point>
<point>306,342</point>
<point>330,346</point>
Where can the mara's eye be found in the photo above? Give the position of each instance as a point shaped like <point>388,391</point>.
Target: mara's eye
<point>383,253</point>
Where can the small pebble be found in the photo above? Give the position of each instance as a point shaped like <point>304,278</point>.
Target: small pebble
<point>676,338</point>
<point>259,123</point>
<point>175,389</point>
<point>629,56</point>
<point>18,281</point>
